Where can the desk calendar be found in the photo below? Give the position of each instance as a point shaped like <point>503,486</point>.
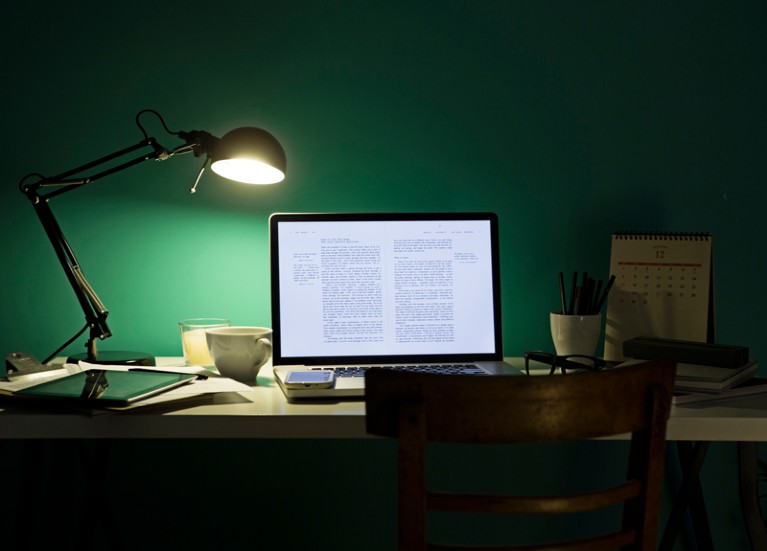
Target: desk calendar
<point>663,288</point>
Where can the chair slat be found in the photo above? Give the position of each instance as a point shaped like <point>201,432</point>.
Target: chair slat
<point>515,505</point>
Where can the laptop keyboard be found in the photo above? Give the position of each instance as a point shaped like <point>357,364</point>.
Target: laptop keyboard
<point>444,369</point>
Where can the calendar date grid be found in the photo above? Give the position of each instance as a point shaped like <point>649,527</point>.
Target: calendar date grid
<point>643,282</point>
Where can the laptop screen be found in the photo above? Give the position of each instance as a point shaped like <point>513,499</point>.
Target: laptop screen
<point>383,288</point>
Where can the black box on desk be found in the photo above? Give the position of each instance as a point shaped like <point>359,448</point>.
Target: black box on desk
<point>690,352</point>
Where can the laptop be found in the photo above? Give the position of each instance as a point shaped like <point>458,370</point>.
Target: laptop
<point>352,292</point>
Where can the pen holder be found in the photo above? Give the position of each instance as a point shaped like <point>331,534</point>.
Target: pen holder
<point>574,334</point>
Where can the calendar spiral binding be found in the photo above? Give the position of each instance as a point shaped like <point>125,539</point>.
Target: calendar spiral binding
<point>662,235</point>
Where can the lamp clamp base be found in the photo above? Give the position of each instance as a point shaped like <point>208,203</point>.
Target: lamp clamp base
<point>20,365</point>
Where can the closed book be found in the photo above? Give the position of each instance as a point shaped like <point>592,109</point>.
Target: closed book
<point>706,378</point>
<point>752,386</point>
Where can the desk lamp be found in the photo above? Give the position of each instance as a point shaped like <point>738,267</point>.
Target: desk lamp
<point>249,155</point>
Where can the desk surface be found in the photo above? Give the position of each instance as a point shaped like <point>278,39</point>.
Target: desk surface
<point>263,412</point>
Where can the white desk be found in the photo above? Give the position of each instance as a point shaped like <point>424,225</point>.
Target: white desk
<point>263,412</point>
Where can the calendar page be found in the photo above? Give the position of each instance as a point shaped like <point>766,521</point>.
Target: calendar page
<point>663,288</point>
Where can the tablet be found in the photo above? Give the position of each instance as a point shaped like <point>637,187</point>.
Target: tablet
<point>107,388</point>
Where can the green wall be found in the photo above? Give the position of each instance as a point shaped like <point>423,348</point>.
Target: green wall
<point>569,119</point>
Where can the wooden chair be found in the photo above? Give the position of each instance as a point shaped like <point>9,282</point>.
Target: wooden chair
<point>420,408</point>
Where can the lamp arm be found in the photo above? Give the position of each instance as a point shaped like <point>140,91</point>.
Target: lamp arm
<point>93,308</point>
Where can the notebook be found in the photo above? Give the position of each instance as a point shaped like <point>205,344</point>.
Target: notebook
<point>351,292</point>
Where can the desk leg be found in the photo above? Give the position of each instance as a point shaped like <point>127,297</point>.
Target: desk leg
<point>690,496</point>
<point>748,476</point>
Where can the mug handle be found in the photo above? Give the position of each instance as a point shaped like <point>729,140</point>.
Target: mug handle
<point>266,345</point>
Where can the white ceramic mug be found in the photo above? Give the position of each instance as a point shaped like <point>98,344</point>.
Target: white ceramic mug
<point>573,334</point>
<point>238,352</point>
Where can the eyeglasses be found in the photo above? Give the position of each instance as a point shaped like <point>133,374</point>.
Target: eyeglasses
<point>570,361</point>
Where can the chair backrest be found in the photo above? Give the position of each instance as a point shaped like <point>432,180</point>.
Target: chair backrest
<point>420,408</point>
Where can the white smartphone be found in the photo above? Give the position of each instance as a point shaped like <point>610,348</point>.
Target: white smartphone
<point>309,379</point>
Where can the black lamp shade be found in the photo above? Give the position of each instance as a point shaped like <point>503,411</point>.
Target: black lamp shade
<point>249,155</point>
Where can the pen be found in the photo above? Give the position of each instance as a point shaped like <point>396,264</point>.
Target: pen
<point>562,292</point>
<point>571,310</point>
<point>604,294</point>
<point>580,296</point>
<point>587,300</point>
<point>594,305</point>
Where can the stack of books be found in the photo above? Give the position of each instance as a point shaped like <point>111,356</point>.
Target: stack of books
<point>704,371</point>
<point>709,378</point>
